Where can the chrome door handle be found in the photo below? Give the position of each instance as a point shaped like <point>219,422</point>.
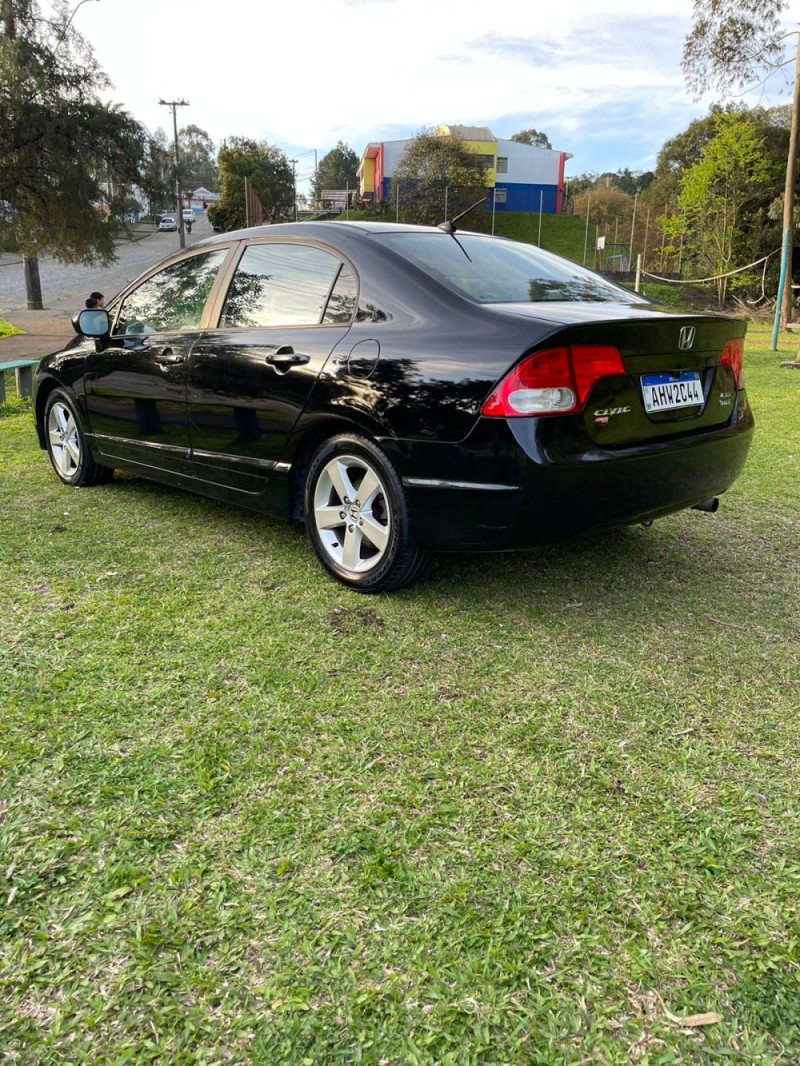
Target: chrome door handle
<point>286,357</point>
<point>167,357</point>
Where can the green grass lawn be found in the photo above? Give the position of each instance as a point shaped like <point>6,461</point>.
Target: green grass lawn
<point>540,808</point>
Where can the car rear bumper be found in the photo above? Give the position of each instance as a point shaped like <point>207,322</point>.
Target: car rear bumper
<point>530,484</point>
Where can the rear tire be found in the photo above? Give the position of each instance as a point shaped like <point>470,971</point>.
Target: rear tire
<point>66,444</point>
<point>358,519</point>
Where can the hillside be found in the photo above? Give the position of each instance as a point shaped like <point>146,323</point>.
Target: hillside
<point>562,234</point>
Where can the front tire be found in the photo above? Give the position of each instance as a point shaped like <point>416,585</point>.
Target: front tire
<point>66,444</point>
<point>357,517</point>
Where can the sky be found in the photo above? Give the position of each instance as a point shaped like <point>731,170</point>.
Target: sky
<point>604,82</point>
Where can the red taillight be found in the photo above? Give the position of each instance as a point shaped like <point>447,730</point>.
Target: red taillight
<point>733,356</point>
<point>553,382</point>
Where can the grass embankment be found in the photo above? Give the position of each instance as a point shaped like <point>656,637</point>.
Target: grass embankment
<point>539,809</point>
<point>562,234</point>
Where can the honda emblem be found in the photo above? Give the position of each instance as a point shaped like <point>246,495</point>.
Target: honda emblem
<point>686,338</point>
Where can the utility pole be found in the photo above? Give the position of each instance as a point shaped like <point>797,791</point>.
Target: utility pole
<point>174,105</point>
<point>294,186</point>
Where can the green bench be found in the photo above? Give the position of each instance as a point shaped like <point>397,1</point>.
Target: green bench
<point>23,370</point>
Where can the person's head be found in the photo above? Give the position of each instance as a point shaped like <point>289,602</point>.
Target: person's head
<point>99,299</point>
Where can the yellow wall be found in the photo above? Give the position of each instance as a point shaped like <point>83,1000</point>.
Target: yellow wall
<point>366,173</point>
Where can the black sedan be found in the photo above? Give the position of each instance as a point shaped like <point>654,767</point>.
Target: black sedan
<point>401,389</point>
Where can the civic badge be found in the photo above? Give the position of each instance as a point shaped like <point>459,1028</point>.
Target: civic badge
<point>686,338</point>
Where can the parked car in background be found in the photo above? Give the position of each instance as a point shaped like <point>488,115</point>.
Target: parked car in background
<point>168,223</point>
<point>188,215</point>
<point>403,390</point>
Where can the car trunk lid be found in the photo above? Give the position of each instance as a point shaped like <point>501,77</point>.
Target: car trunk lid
<point>676,378</point>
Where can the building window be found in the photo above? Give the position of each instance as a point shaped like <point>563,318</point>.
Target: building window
<point>500,196</point>
<point>502,164</point>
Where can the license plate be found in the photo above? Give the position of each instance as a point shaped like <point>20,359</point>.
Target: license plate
<point>669,392</point>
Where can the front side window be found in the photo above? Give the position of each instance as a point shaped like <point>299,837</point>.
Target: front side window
<point>280,285</point>
<point>172,299</point>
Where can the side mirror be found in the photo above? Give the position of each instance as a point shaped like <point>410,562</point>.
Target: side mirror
<point>92,322</point>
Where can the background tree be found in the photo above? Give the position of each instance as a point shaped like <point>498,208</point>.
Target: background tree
<point>576,184</point>
<point>761,235</point>
<point>56,137</point>
<point>718,196</point>
<point>532,136</point>
<point>157,178</point>
<point>731,42</point>
<point>730,45</point>
<point>336,170</point>
<point>434,171</point>
<point>633,182</point>
<point>606,205</point>
<point>198,159</point>
<point>678,154</point>
<point>268,171</point>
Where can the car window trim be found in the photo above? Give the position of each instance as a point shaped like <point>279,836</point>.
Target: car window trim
<point>215,308</point>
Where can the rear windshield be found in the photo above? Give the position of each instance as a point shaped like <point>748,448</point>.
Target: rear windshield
<point>490,270</point>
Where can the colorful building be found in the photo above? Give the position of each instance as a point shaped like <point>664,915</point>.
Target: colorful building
<point>519,177</point>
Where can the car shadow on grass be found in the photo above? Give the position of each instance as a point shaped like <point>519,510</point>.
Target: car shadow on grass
<point>680,562</point>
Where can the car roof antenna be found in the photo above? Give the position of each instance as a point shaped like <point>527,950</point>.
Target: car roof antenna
<point>450,225</point>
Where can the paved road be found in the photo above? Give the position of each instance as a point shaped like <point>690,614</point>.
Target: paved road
<point>60,282</point>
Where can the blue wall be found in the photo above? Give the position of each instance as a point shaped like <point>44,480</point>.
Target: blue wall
<point>526,198</point>
<point>519,197</point>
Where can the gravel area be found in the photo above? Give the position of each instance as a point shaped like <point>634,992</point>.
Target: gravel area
<point>60,281</point>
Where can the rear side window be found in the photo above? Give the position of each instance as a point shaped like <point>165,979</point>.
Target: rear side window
<point>172,299</point>
<point>490,270</point>
<point>342,302</point>
<point>280,285</point>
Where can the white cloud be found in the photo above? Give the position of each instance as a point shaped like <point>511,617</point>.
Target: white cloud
<point>603,84</point>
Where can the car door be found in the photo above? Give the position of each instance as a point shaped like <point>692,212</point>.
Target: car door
<point>288,305</point>
<point>136,386</point>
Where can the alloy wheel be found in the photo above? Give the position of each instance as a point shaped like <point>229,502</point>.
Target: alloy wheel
<point>64,439</point>
<point>352,514</point>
